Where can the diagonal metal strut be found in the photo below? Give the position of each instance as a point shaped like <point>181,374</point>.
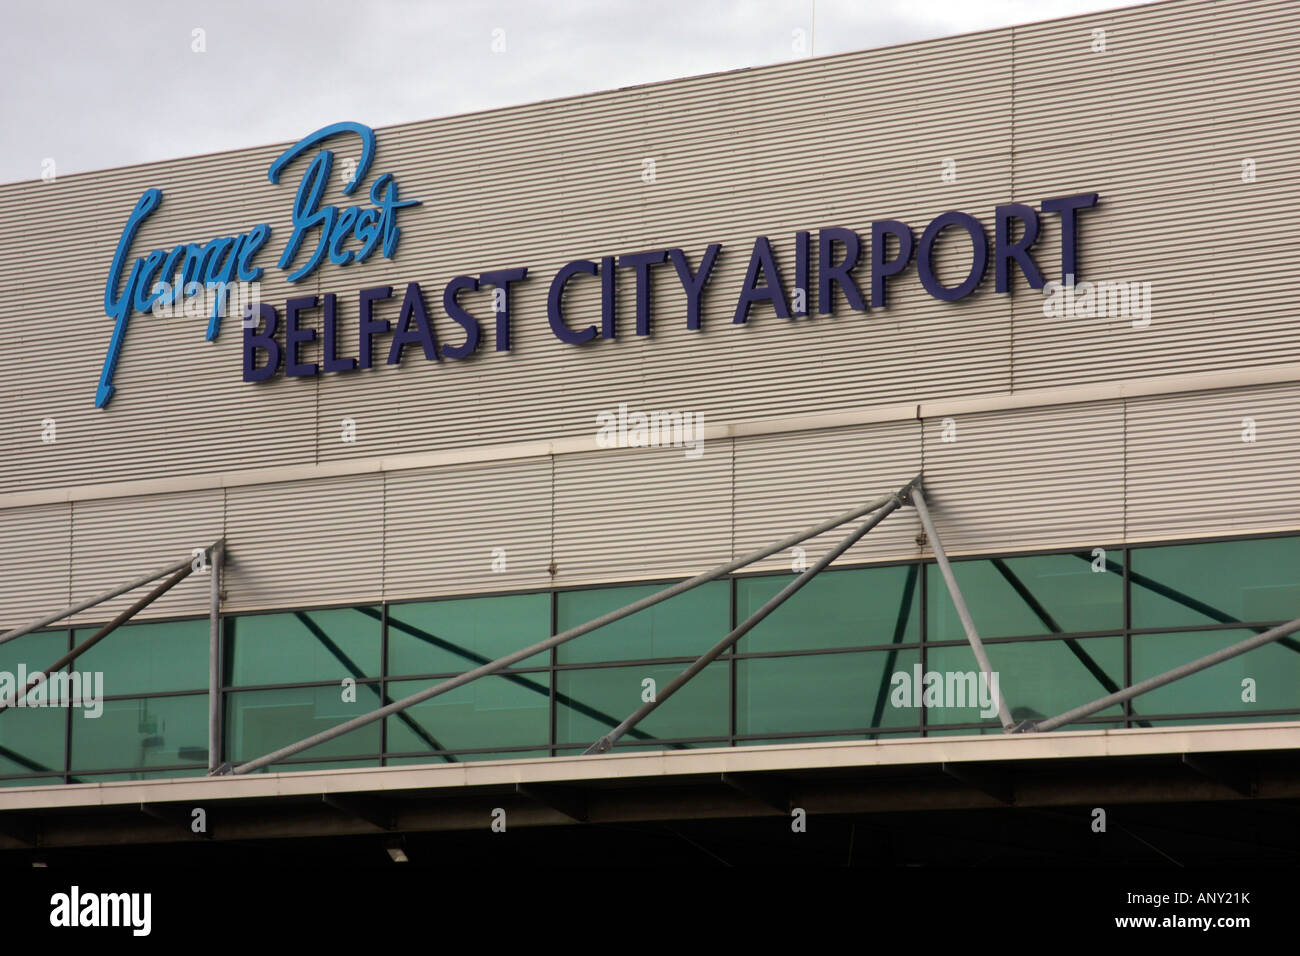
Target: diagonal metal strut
<point>972,635</point>
<point>501,663</point>
<point>605,743</point>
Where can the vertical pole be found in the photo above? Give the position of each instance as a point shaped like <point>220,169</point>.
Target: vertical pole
<point>214,660</point>
<point>976,645</point>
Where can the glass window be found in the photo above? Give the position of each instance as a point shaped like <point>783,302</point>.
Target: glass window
<point>1015,597</point>
<point>1038,679</point>
<point>34,651</point>
<point>464,758</point>
<point>303,646</point>
<point>32,738</point>
<point>149,658</point>
<point>260,721</point>
<point>854,607</point>
<point>31,782</point>
<point>821,692</point>
<point>510,711</point>
<point>291,767</point>
<point>684,626</point>
<point>147,732</point>
<point>1252,581</point>
<point>1271,672</point>
<point>591,702</point>
<point>449,637</point>
<point>142,774</point>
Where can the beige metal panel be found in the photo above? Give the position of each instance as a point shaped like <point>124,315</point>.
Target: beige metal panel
<point>443,526</point>
<point>35,552</point>
<point>785,483</point>
<point>118,539</point>
<point>1017,481</point>
<point>543,185</point>
<point>638,513</point>
<point>1159,125</point>
<point>834,141</point>
<point>180,406</point>
<point>304,545</point>
<point>1191,474</point>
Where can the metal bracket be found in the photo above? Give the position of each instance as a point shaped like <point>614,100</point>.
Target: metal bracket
<point>984,779</point>
<point>18,829</point>
<point>374,812</point>
<point>177,815</point>
<point>760,787</point>
<point>567,800</point>
<point>1222,770</point>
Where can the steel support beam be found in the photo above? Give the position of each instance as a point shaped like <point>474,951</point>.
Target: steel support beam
<point>177,815</point>
<point>503,662</point>
<point>1160,680</point>
<point>99,599</point>
<point>762,787</point>
<point>569,801</point>
<point>606,742</point>
<point>995,783</point>
<point>369,809</point>
<point>972,635</point>
<point>215,555</point>
<point>1222,769</point>
<point>99,635</point>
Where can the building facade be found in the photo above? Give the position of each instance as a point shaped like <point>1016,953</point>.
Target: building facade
<point>501,373</point>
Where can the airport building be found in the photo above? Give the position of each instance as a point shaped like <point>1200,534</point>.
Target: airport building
<point>299,432</point>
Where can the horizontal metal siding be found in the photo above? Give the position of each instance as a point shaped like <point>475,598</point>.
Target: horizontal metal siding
<point>1039,478</point>
<point>642,513</point>
<point>786,483</point>
<point>35,554</point>
<point>443,526</point>
<point>834,141</point>
<point>1191,474</point>
<point>118,539</point>
<point>1159,125</point>
<point>305,544</point>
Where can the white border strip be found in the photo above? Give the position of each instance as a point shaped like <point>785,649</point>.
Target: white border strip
<point>1221,738</point>
<point>911,411</point>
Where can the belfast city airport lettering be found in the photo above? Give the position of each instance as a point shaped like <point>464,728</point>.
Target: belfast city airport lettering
<point>852,267</point>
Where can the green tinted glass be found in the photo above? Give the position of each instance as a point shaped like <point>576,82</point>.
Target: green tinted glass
<point>590,702</point>
<point>448,637</point>
<point>821,692</point>
<point>465,758</point>
<point>258,722</point>
<point>147,732</point>
<point>855,607</point>
<point>31,782</point>
<point>148,658</point>
<point>1214,583</point>
<point>305,646</point>
<point>1023,597</point>
<point>1038,679</point>
<point>34,651</point>
<point>489,712</point>
<point>32,738</point>
<point>1271,674</point>
<point>684,626</point>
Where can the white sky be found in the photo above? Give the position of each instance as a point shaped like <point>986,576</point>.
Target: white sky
<point>99,83</point>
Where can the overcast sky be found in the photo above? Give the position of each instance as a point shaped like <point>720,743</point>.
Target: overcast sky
<point>99,83</point>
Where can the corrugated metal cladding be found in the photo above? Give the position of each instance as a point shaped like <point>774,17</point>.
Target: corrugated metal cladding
<point>1159,124</point>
